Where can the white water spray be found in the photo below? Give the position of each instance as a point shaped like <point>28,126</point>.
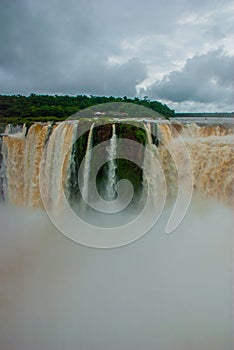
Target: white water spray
<point>87,165</point>
<point>154,183</point>
<point>56,163</point>
<point>110,193</point>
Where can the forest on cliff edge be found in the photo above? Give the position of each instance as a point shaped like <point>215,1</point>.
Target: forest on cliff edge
<point>18,109</point>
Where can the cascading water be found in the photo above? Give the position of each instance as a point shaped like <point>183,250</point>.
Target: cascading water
<point>33,151</point>
<point>213,166</point>
<point>110,193</point>
<point>49,148</point>
<point>87,165</point>
<point>152,174</point>
<point>13,157</point>
<point>56,164</point>
<point>55,294</point>
<point>22,158</point>
<point>3,183</point>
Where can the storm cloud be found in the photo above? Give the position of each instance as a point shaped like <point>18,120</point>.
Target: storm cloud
<point>119,48</point>
<point>205,78</point>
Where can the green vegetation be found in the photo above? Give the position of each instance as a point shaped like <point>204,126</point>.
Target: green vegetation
<point>131,131</point>
<point>18,109</point>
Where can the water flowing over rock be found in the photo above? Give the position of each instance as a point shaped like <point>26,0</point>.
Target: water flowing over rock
<point>111,174</point>
<point>159,291</point>
<point>87,165</point>
<point>43,158</point>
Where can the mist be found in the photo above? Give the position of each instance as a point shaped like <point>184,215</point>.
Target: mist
<point>161,292</point>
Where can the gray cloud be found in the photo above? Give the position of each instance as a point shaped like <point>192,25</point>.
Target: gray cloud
<point>110,47</point>
<point>205,78</point>
<point>99,78</point>
<point>61,51</point>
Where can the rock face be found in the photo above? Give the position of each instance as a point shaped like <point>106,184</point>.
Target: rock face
<point>102,133</point>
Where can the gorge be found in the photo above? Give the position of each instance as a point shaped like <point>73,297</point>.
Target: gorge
<point>164,291</point>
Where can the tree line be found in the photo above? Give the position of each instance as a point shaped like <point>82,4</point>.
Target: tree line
<point>17,109</point>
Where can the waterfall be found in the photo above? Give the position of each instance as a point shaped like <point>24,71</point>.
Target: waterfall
<point>87,161</point>
<point>3,180</point>
<point>210,148</point>
<point>56,294</point>
<point>213,166</point>
<point>22,158</point>
<point>33,150</point>
<point>72,181</point>
<point>13,156</point>
<point>110,192</point>
<point>164,132</point>
<point>152,176</point>
<point>56,163</point>
<point>47,150</point>
<point>194,130</point>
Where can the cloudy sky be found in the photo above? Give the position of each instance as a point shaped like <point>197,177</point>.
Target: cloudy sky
<point>179,52</point>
